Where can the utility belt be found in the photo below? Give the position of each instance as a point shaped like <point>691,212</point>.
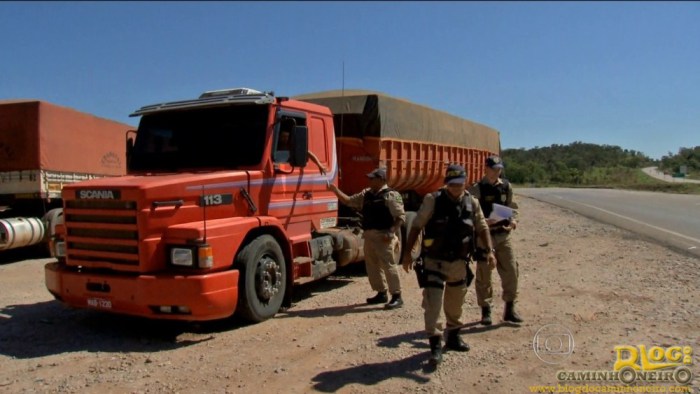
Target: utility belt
<point>449,254</point>
<point>438,280</point>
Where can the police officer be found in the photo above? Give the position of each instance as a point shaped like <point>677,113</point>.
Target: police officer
<point>489,190</point>
<point>382,217</point>
<point>452,219</point>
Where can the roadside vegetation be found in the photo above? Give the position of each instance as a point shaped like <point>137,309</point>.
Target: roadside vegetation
<point>688,157</point>
<point>589,165</point>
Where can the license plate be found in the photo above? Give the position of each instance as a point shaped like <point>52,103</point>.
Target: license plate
<point>100,303</point>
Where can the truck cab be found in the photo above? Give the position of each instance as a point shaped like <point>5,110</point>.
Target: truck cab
<point>219,212</point>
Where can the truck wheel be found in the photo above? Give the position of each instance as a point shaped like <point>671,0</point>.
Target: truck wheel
<point>405,229</point>
<point>262,281</point>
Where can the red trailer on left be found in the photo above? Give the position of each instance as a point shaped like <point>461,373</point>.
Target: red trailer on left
<point>43,147</point>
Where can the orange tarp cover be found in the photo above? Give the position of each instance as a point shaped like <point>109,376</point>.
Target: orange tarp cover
<point>366,113</point>
<point>37,135</point>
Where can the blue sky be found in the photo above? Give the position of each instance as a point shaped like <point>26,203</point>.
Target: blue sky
<point>542,73</point>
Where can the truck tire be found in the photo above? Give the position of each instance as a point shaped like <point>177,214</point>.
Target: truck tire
<point>262,281</point>
<point>415,252</point>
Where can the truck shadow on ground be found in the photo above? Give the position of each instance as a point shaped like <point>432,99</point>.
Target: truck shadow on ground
<point>342,277</point>
<point>26,253</point>
<point>300,293</point>
<point>329,311</point>
<point>413,367</point>
<point>51,329</point>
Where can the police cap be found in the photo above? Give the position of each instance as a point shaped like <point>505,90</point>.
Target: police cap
<point>455,174</point>
<point>494,162</point>
<point>377,173</point>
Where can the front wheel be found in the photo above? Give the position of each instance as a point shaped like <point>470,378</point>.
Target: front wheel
<point>262,281</point>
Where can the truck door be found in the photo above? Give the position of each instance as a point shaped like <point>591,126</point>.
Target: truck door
<point>299,193</point>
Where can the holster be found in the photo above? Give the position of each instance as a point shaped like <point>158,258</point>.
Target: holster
<point>422,276</point>
<point>470,275</point>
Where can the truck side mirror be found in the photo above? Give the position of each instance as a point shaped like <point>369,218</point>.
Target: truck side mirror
<point>130,135</point>
<point>129,149</point>
<point>299,146</point>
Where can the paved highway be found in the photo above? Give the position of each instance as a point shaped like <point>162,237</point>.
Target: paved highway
<point>672,219</point>
<point>655,173</point>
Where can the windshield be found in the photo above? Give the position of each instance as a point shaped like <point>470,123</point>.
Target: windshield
<point>208,138</point>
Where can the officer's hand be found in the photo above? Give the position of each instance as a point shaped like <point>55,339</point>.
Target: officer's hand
<point>389,234</point>
<point>491,222</point>
<point>491,260</point>
<point>407,263</point>
<point>511,226</point>
<point>322,169</point>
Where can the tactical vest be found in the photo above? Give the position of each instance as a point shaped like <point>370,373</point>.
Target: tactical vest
<point>449,234</point>
<point>490,194</point>
<point>375,214</point>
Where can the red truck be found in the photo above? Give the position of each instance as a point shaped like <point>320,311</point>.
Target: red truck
<point>44,147</point>
<point>220,212</point>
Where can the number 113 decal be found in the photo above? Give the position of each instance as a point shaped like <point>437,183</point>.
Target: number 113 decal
<point>215,199</point>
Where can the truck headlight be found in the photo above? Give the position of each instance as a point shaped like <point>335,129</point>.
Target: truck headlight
<point>196,257</point>
<point>58,248</point>
<point>182,257</point>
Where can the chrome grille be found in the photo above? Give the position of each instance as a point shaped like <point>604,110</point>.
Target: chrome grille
<point>102,233</point>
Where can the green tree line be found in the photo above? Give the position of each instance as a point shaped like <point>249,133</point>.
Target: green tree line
<point>577,163</point>
<point>689,157</point>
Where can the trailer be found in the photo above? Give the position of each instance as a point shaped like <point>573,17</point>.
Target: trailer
<point>414,142</point>
<point>44,147</point>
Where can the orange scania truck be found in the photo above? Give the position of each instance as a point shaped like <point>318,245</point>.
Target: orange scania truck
<point>220,213</point>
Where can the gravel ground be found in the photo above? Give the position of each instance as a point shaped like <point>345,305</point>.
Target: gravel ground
<point>606,286</point>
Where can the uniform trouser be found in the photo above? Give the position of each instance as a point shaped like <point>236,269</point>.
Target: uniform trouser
<point>507,267</point>
<point>381,261</point>
<point>446,290</point>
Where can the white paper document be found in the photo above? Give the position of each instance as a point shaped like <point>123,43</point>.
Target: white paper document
<point>501,212</point>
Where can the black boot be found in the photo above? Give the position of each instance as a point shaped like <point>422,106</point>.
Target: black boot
<point>455,342</point>
<point>396,302</point>
<point>486,315</point>
<point>380,298</point>
<point>435,350</point>
<point>510,314</point>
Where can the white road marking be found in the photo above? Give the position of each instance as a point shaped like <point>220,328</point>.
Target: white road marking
<point>640,222</point>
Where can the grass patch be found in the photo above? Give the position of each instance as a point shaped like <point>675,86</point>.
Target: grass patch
<point>628,179</point>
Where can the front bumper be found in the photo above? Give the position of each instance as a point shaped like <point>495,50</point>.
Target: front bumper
<point>208,297</point>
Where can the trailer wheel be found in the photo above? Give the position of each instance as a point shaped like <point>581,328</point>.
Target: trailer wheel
<point>405,229</point>
<point>262,281</point>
